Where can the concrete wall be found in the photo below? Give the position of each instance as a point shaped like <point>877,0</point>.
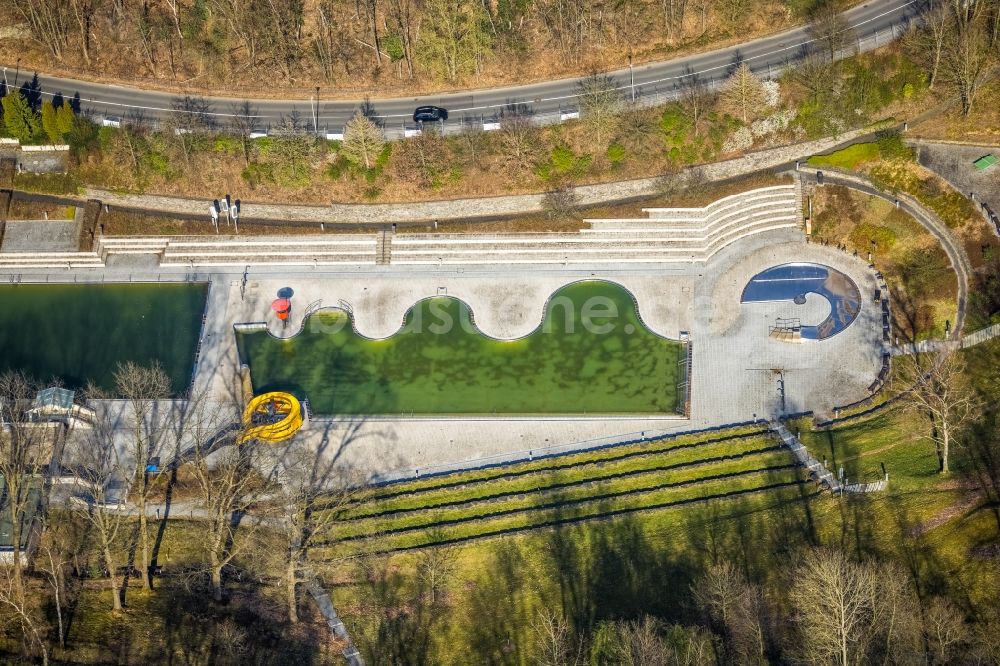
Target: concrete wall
<point>35,159</point>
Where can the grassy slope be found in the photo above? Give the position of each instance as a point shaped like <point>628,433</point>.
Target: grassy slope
<point>644,562</point>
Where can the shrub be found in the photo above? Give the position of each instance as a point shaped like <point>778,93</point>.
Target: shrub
<point>950,205</point>
<point>675,125</point>
<point>82,135</point>
<point>891,146</point>
<point>563,159</point>
<point>894,177</point>
<point>48,183</point>
<point>336,169</point>
<point>256,174</point>
<point>225,143</point>
<point>616,154</point>
<point>563,162</point>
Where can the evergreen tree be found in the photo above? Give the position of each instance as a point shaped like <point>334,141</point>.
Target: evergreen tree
<point>50,124</point>
<point>65,118</point>
<point>18,117</point>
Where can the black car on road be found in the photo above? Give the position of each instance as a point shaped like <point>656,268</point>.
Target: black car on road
<point>429,114</point>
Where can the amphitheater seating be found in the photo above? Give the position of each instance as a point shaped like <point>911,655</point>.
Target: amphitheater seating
<point>665,235</point>
<point>258,250</point>
<point>18,260</point>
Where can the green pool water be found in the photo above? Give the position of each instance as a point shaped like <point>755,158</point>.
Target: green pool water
<point>591,354</point>
<point>81,332</point>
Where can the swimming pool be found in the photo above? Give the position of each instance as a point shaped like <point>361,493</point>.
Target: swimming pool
<point>591,354</point>
<point>79,333</point>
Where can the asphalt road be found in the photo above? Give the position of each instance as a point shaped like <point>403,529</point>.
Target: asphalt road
<point>874,23</point>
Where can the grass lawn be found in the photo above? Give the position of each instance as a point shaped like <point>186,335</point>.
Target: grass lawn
<point>847,158</point>
<point>591,354</point>
<point>894,438</point>
<point>643,561</point>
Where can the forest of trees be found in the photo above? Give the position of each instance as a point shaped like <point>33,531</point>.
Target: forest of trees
<point>356,43</point>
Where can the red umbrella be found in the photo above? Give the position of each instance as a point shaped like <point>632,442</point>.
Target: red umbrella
<point>281,305</point>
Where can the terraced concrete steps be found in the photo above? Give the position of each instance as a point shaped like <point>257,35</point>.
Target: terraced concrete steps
<point>665,235</point>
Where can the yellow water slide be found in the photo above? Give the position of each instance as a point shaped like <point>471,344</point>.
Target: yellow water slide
<point>271,417</point>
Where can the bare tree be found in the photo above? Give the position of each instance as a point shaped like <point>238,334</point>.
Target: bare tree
<point>402,14</point>
<point>191,118</point>
<point>744,93</point>
<point>25,449</point>
<point>144,388</point>
<point>330,41</point>
<point>315,490</point>
<point>818,77</point>
<point>600,105</point>
<point>560,203</point>
<point>945,630</point>
<point>895,623</point>
<point>966,54</point>
<point>832,600</point>
<point>52,562</point>
<point>674,12</point>
<point>12,598</point>
<point>230,484</point>
<point>103,501</point>
<point>244,119</point>
<point>49,22</point>
<point>694,99</point>
<point>942,391</point>
<point>830,29</point>
<point>435,567</point>
<point>363,141</point>
<point>555,643</point>
<point>641,643</point>
<point>518,139</point>
<point>928,43</point>
<point>736,607</point>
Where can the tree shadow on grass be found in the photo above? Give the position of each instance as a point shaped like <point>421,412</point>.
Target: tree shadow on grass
<point>249,629</point>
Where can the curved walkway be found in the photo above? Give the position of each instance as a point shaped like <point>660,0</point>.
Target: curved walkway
<point>926,218</point>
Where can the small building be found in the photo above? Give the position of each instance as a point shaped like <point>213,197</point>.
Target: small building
<point>985,162</point>
<point>56,404</point>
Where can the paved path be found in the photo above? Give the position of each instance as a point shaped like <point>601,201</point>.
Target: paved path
<point>325,604</point>
<point>874,23</point>
<point>926,218</point>
<point>970,340</point>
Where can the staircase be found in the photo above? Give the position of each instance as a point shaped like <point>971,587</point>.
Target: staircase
<point>806,459</point>
<point>383,248</point>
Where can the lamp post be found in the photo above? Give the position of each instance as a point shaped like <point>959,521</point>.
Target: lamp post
<point>316,113</point>
<point>17,72</point>
<point>631,77</point>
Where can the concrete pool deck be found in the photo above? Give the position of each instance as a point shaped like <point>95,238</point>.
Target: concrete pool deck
<point>736,366</point>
